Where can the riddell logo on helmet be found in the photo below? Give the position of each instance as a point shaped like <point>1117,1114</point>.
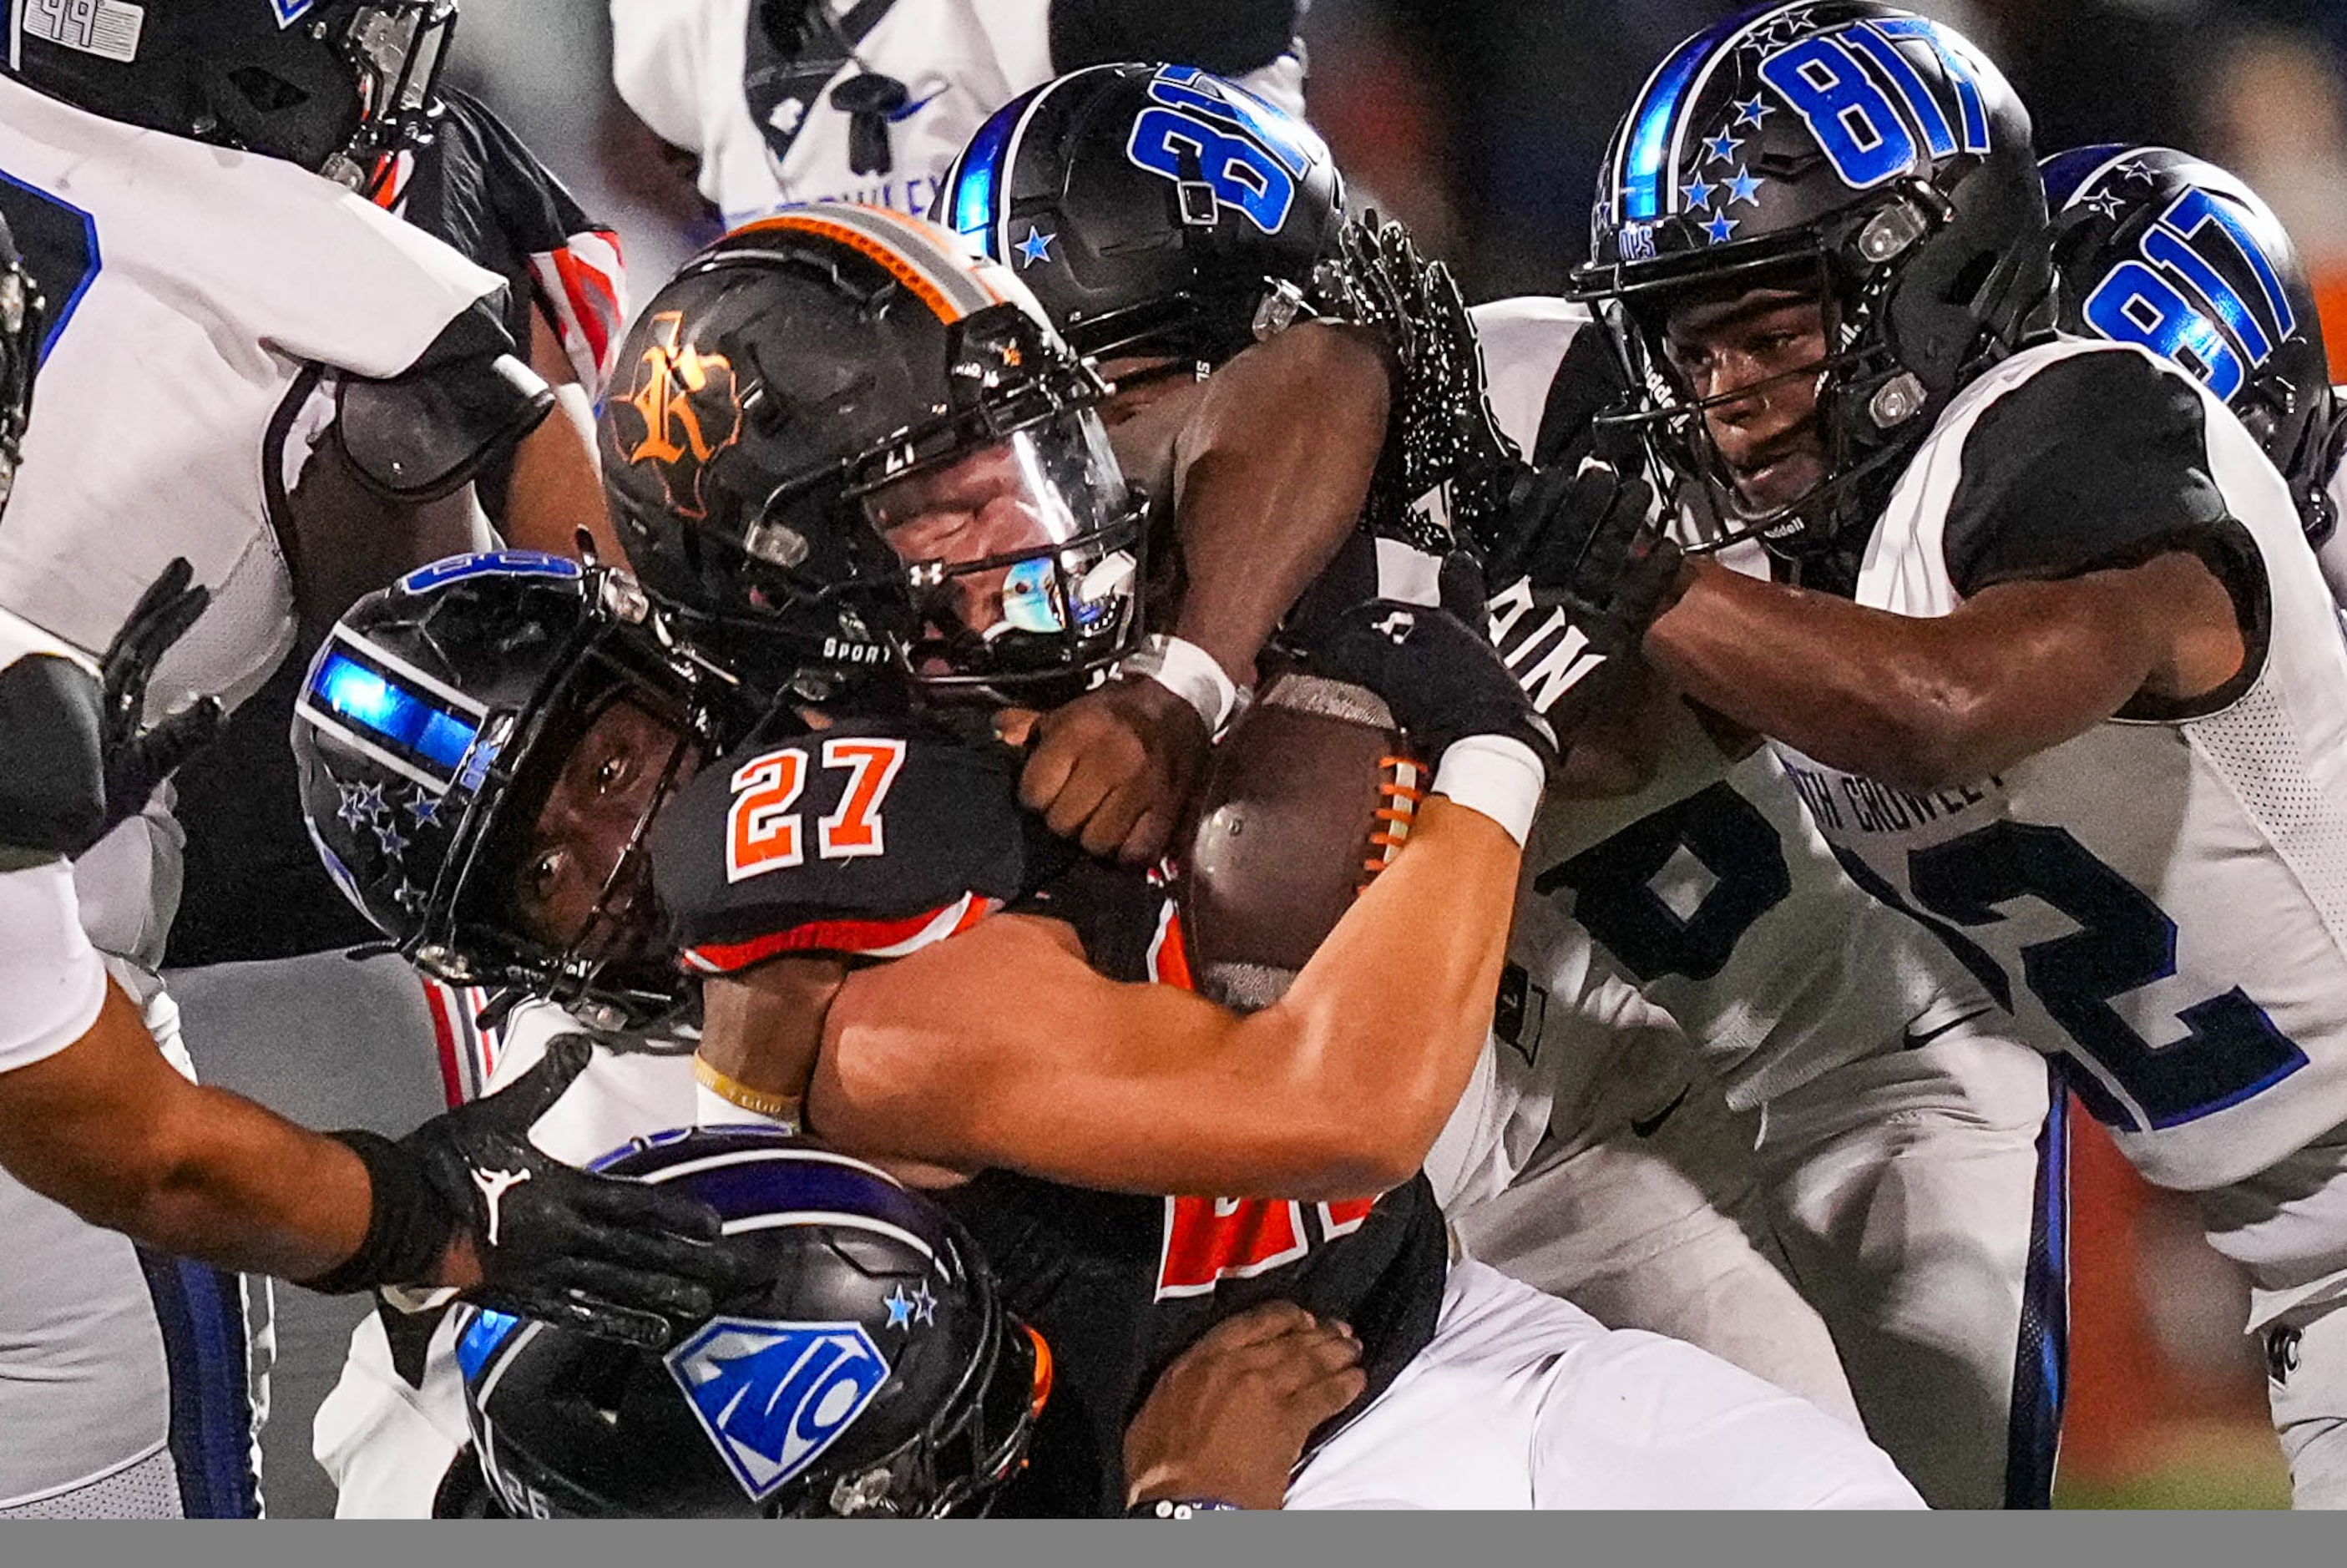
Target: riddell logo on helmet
<point>691,412</point>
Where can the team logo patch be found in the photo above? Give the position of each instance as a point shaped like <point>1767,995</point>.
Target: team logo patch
<point>691,412</point>
<point>773,1395</point>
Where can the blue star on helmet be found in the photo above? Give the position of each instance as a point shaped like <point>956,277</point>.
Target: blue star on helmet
<point>1036,247</point>
<point>371,801</point>
<point>1699,194</point>
<point>353,810</point>
<point>422,807</point>
<point>925,1306</point>
<point>1721,148</point>
<point>2136,169</point>
<point>1719,228</point>
<point>900,1307</point>
<point>1752,113</point>
<point>387,834</point>
<point>1742,187</point>
<point>2105,202</point>
<point>409,897</point>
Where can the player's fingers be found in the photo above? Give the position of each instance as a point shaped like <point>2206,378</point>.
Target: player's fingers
<point>1080,795</point>
<point>1045,774</point>
<point>632,1289</point>
<point>1147,840</point>
<point>1257,1325</point>
<point>1119,813</point>
<point>1323,1397</point>
<point>1015,726</point>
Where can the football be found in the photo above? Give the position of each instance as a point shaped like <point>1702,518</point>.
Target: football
<point>1307,799</point>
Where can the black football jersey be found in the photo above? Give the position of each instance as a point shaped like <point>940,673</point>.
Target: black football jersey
<point>877,838</point>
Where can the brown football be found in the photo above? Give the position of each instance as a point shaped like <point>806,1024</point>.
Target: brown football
<point>1309,795</point>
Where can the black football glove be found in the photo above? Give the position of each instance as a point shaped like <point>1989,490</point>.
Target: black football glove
<point>1581,570</point>
<point>616,1258</point>
<point>1442,681</point>
<point>80,761</point>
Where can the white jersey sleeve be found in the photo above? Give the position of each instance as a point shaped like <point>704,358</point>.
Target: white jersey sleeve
<point>48,970</point>
<point>2160,899</point>
<point>2333,556</point>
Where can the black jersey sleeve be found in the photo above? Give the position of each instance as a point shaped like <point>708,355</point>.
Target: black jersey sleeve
<point>1228,37</point>
<point>2097,459</point>
<point>869,838</point>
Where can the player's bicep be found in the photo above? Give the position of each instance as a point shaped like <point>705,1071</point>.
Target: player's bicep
<point>93,1126</point>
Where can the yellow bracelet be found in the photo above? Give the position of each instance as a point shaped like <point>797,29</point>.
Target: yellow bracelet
<point>783,1108</point>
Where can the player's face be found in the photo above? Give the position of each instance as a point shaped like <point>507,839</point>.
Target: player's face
<point>1760,353</point>
<point>586,824</point>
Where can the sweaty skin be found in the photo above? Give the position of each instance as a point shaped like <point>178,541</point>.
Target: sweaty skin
<point>1266,463</point>
<point>1918,703</point>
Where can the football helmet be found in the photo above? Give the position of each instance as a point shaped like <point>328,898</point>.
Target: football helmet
<point>840,445</point>
<point>2157,247</point>
<point>1154,210</point>
<point>867,1368</point>
<point>1842,145</point>
<point>335,85</point>
<point>432,728</point>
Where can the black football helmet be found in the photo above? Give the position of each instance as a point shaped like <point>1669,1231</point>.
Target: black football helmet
<point>1154,210</point>
<point>1875,152</point>
<point>2157,247</point>
<point>868,1368</point>
<point>430,731</point>
<point>839,446</point>
<point>335,85</point>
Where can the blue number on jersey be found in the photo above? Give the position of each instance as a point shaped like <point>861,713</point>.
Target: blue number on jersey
<point>2175,302</point>
<point>1854,113</point>
<point>2231,1050</point>
<point>1238,148</point>
<point>1613,897</point>
<point>59,244</point>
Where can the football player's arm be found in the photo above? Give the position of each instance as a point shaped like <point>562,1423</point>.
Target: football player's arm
<point>1003,1048</point>
<point>1922,702</point>
<point>108,1128</point>
<point>557,487</point>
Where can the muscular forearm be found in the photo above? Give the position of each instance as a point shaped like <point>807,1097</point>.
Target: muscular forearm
<point>1921,703</point>
<point>107,1129</point>
<point>557,487</point>
<point>1271,478</point>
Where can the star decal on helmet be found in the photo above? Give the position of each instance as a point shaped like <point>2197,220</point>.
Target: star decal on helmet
<point>1752,113</point>
<point>2105,202</point>
<point>1036,247</point>
<point>409,897</point>
<point>1743,187</point>
<point>691,410</point>
<point>387,834</point>
<point>1721,148</point>
<point>925,1305</point>
<point>422,807</point>
<point>362,803</point>
<point>2136,169</point>
<point>1699,194</point>
<point>900,1308</point>
<point>1720,229</point>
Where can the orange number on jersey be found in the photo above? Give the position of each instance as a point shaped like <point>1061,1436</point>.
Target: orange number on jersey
<point>761,831</point>
<point>1210,1239</point>
<point>855,828</point>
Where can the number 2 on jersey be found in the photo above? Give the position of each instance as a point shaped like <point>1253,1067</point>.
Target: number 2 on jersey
<point>763,834</point>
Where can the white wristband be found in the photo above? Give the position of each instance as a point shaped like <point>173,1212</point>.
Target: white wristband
<point>1190,673</point>
<point>49,971</point>
<point>1495,774</point>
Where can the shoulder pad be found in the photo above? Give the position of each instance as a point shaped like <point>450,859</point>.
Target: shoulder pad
<point>872,837</point>
<point>416,436</point>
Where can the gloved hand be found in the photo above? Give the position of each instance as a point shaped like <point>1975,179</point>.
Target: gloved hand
<point>1581,570</point>
<point>79,762</point>
<point>1442,681</point>
<point>519,1231</point>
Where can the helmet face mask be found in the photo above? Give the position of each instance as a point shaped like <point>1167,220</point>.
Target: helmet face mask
<point>440,727</point>
<point>1878,150</point>
<point>815,375</point>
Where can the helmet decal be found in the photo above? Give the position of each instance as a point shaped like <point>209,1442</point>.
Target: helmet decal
<point>691,411</point>
<point>381,705</point>
<point>922,257</point>
<point>291,10</point>
<point>1221,146</point>
<point>2172,296</point>
<point>773,1396</point>
<point>481,563</point>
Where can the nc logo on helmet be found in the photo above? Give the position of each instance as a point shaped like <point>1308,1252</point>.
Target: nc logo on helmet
<point>773,1395</point>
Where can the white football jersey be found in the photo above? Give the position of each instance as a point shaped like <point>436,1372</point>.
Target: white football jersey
<point>1709,889</point>
<point>2333,553</point>
<point>769,136</point>
<point>2162,901</point>
<point>190,291</point>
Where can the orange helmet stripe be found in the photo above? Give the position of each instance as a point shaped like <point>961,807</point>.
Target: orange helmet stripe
<point>937,272</point>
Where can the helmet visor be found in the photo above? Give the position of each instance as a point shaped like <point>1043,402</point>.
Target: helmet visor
<point>1019,554</point>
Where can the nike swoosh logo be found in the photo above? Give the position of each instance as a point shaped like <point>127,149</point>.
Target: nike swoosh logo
<point>916,106</point>
<point>1912,1040</point>
<point>1645,1128</point>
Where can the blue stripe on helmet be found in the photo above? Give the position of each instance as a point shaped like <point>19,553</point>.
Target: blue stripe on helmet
<point>978,183</point>
<point>480,1340</point>
<point>1647,151</point>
